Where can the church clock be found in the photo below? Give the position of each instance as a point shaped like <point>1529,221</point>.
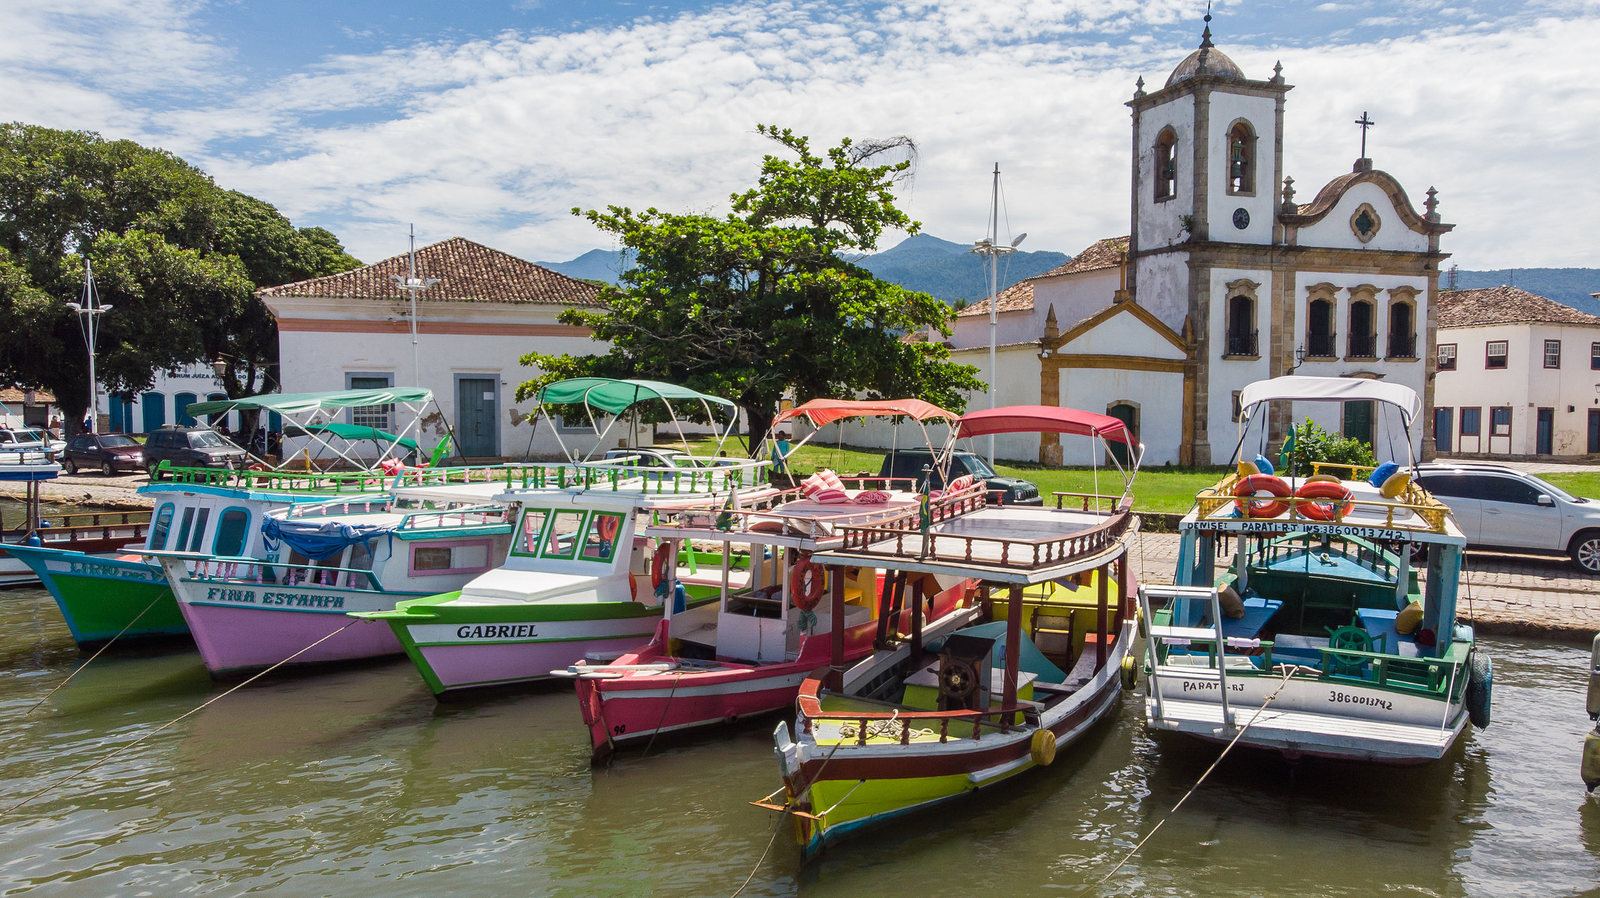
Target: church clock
<point>1241,218</point>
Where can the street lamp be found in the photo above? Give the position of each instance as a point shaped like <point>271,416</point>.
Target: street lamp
<point>992,249</point>
<point>412,285</point>
<point>89,312</point>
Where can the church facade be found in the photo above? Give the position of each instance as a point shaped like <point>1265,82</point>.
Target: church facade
<point>1223,279</point>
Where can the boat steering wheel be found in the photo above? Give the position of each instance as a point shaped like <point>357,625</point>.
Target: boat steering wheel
<point>1348,638</point>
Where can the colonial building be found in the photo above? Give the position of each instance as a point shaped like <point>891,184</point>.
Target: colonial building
<point>1518,376</point>
<point>1224,278</point>
<point>486,310</point>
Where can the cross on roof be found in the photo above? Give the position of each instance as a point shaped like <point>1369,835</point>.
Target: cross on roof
<point>1365,123</point>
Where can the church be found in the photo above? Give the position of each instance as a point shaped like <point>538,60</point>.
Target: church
<point>1224,278</point>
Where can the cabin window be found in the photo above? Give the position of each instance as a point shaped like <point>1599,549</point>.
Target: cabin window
<point>1494,354</point>
<point>1319,329</point>
<point>1242,158</point>
<point>528,532</point>
<point>1241,336</point>
<point>192,529</point>
<point>1166,170</point>
<point>1552,353</point>
<point>561,540</point>
<point>161,526</point>
<point>1363,331</point>
<point>232,528</point>
<point>600,543</point>
<point>201,517</point>
<point>361,560</point>
<point>430,558</point>
<point>1402,335</point>
<point>1447,356</point>
<point>454,557</point>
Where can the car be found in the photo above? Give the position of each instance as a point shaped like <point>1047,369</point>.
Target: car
<point>109,452</point>
<point>191,447</point>
<point>908,464</point>
<point>21,440</point>
<point>47,438</point>
<point>651,456</point>
<point>1502,508</point>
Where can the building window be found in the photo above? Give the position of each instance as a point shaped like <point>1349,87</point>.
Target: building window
<point>1242,158</point>
<point>1500,421</point>
<point>1402,332</point>
<point>1166,170</point>
<point>1494,354</point>
<point>1552,354</point>
<point>1471,422</point>
<point>1363,331</point>
<point>1447,356</point>
<point>1241,336</point>
<point>1237,408</point>
<point>1594,356</point>
<point>378,416</point>
<point>1319,329</point>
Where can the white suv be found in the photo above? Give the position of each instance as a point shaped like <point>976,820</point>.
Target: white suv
<point>1503,508</point>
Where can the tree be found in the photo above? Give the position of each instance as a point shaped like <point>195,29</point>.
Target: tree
<point>179,258</point>
<point>761,302</point>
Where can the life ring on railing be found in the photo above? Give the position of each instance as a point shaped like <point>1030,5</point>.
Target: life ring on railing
<point>1247,488</point>
<point>658,566</point>
<point>255,466</point>
<point>1341,500</point>
<point>609,526</point>
<point>805,583</point>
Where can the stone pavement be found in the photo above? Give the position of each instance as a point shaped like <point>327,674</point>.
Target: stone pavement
<point>1506,594</point>
<point>1532,467</point>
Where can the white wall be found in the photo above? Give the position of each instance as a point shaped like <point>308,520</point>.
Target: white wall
<point>1524,385</point>
<point>1334,230</point>
<point>1229,375</point>
<point>1159,224</point>
<point>1260,112</point>
<point>1164,287</point>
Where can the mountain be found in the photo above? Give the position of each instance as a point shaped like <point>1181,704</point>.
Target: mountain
<point>1570,286</point>
<point>594,265</point>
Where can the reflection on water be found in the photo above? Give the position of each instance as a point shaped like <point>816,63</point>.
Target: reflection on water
<point>355,781</point>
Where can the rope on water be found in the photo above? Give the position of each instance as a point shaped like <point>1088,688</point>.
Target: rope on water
<point>97,654</point>
<point>663,719</point>
<point>192,711</point>
<point>787,807</point>
<point>1288,673</point>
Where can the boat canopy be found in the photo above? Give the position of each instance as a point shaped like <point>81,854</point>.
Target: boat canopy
<point>822,412</point>
<point>615,397</point>
<point>355,432</point>
<point>301,403</point>
<point>1043,419</point>
<point>1305,388</point>
<point>318,541</point>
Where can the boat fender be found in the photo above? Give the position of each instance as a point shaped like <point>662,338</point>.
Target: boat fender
<point>805,583</point>
<point>1591,759</point>
<point>1248,487</point>
<point>1343,500</point>
<point>1130,672</point>
<point>1480,685</point>
<point>658,566</point>
<point>1592,703</point>
<point>1042,747</point>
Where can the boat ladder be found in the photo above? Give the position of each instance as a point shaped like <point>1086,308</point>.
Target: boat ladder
<point>1174,598</point>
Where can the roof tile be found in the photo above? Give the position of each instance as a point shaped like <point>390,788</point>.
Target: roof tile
<point>1505,305</point>
<point>1105,253</point>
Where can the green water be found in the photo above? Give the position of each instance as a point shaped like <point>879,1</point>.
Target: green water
<point>355,782</point>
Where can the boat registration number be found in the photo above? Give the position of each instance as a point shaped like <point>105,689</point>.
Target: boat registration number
<point>1303,527</point>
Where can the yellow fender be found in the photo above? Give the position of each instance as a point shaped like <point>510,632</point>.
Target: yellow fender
<point>1130,671</point>
<point>1043,747</point>
<point>1591,759</point>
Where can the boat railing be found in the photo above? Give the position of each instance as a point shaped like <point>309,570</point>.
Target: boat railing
<point>1414,509</point>
<point>765,513</point>
<point>442,519</point>
<point>256,572</point>
<point>721,475</point>
<point>905,539</point>
<point>93,519</point>
<point>54,536</point>
<point>902,722</point>
<point>1087,502</point>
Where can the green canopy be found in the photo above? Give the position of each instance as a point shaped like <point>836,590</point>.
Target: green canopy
<point>300,403</point>
<point>355,432</point>
<point>617,396</point>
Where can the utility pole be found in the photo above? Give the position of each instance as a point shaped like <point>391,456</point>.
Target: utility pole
<point>412,285</point>
<point>89,312</point>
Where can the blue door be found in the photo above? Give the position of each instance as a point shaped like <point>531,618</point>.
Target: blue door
<point>1546,432</point>
<point>153,407</point>
<point>180,407</point>
<point>1444,427</point>
<point>477,417</point>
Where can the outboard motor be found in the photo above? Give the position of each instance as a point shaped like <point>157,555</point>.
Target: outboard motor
<point>964,673</point>
<point>1591,742</point>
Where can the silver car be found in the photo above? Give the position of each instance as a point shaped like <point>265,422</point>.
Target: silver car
<point>1503,508</point>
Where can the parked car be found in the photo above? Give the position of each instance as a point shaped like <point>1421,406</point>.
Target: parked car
<point>908,463</point>
<point>1503,508</point>
<point>48,438</point>
<point>21,440</point>
<point>650,456</point>
<point>110,452</point>
<point>191,447</point>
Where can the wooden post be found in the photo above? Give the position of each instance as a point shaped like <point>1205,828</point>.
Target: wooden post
<point>916,618</point>
<point>1103,578</point>
<point>1124,598</point>
<point>1008,691</point>
<point>836,671</point>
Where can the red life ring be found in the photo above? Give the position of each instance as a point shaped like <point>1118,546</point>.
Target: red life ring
<point>1247,488</point>
<point>255,466</point>
<point>1342,500</point>
<point>609,524</point>
<point>658,565</point>
<point>805,583</point>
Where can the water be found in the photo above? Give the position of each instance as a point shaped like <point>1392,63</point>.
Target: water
<point>356,782</point>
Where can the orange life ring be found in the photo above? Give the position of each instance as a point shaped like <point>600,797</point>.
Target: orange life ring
<point>805,583</point>
<point>255,466</point>
<point>1342,500</point>
<point>658,565</point>
<point>608,527</point>
<point>1247,488</point>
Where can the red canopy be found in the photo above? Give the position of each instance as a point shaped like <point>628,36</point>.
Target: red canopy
<point>822,412</point>
<point>1043,419</point>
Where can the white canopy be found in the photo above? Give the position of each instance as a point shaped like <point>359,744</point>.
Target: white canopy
<point>1303,388</point>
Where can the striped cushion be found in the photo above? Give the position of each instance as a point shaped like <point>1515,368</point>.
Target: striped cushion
<point>830,497</point>
<point>810,485</point>
<point>872,497</point>
<point>831,479</point>
<point>960,483</point>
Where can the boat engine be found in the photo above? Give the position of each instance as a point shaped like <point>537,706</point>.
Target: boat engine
<point>964,672</point>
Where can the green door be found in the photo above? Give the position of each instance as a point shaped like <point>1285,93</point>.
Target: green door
<point>1358,421</point>
<point>1128,414</point>
<point>477,416</point>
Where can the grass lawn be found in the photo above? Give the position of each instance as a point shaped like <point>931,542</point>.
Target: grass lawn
<point>1585,485</point>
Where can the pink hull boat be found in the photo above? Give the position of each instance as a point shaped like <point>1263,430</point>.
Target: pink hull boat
<point>460,667</point>
<point>233,640</point>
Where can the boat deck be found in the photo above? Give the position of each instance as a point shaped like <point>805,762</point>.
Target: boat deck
<point>1321,734</point>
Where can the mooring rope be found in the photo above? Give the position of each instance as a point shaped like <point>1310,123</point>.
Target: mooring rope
<point>192,711</point>
<point>1287,675</point>
<point>787,807</point>
<point>663,719</point>
<point>97,654</point>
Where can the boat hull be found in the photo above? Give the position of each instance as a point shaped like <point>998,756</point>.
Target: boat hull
<point>102,596</point>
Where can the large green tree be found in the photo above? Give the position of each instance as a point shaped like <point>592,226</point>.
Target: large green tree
<point>762,302</point>
<point>178,257</point>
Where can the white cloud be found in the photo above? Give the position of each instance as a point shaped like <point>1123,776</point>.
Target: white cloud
<point>496,138</point>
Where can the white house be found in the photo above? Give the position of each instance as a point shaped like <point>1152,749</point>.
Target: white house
<point>1224,279</point>
<point>167,401</point>
<point>486,310</point>
<point>1518,376</point>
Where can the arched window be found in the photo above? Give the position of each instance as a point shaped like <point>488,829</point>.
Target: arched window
<point>1402,330</point>
<point>1166,170</point>
<point>1241,158</point>
<point>1241,338</point>
<point>1319,329</point>
<point>1363,332</point>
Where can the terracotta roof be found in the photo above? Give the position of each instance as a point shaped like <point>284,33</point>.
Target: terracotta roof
<point>17,394</point>
<point>1108,252</point>
<point>467,272</point>
<point>1505,305</point>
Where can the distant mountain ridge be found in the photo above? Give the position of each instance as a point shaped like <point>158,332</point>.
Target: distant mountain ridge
<point>1568,286</point>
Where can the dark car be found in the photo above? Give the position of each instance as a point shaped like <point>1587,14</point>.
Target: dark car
<point>110,452</point>
<point>908,463</point>
<point>191,447</point>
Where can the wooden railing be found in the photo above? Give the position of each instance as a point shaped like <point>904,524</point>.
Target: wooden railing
<point>1015,552</point>
<point>1000,720</point>
<point>1418,510</point>
<point>766,513</point>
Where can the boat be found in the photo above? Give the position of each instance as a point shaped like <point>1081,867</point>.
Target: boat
<point>747,654</point>
<point>1299,622</point>
<point>580,579</point>
<point>95,533</point>
<point>984,695</point>
<point>322,561</point>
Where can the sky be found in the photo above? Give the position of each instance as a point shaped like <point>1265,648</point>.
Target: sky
<point>492,119</point>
